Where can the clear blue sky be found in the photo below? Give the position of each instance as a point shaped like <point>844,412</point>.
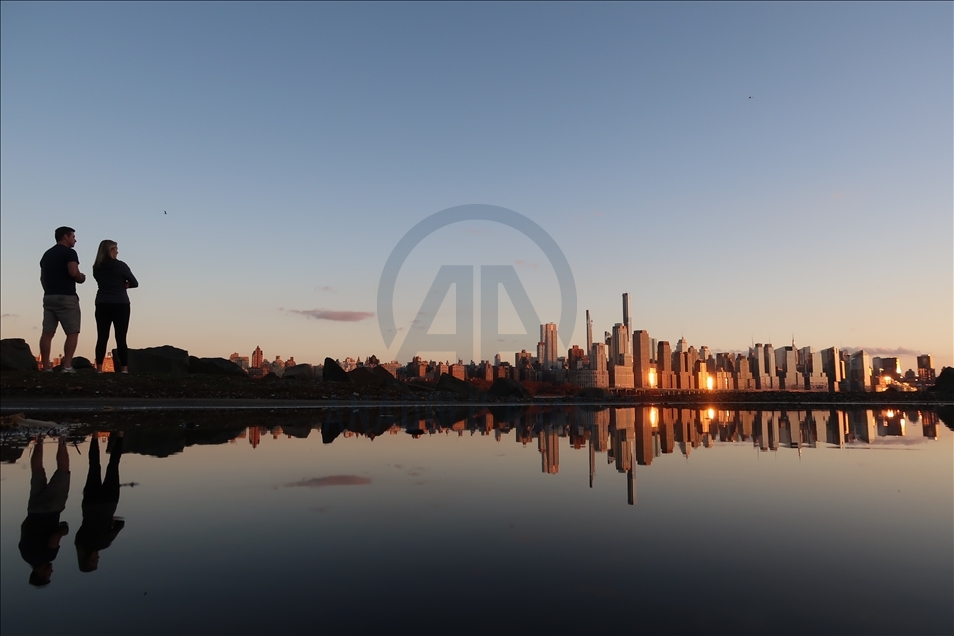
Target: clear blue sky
<point>293,145</point>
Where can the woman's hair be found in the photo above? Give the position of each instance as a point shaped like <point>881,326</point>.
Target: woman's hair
<point>103,257</point>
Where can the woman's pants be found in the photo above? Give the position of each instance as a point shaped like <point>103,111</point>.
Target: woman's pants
<point>116,314</point>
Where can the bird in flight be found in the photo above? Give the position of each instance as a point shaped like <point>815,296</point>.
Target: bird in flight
<point>164,212</point>
<point>750,97</point>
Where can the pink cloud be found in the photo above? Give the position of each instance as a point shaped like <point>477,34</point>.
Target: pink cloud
<point>885,351</point>
<point>334,315</point>
<point>333,480</point>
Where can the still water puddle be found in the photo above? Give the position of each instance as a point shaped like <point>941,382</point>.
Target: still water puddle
<point>620,520</point>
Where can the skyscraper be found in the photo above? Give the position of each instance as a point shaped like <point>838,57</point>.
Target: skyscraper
<point>629,327</point>
<point>548,337</point>
<point>589,333</point>
<point>621,360</point>
<point>665,379</point>
<point>926,369</point>
<point>859,372</point>
<point>833,368</point>
<point>786,359</point>
<point>642,356</point>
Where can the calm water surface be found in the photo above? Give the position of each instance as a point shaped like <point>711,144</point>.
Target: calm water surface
<point>624,520</point>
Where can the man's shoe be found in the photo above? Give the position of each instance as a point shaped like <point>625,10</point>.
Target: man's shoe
<point>68,370</point>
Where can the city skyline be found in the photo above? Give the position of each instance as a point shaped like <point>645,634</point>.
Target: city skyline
<point>631,359</point>
<point>746,172</point>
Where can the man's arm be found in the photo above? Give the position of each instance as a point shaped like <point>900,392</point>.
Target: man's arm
<point>42,284</point>
<point>78,276</point>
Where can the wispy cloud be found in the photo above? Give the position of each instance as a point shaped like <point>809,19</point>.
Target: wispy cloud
<point>885,351</point>
<point>325,288</point>
<point>332,480</point>
<point>522,263</point>
<point>335,315</point>
<point>10,316</point>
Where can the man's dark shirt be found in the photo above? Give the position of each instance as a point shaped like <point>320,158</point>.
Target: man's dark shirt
<point>54,267</point>
<point>112,277</point>
<point>35,533</point>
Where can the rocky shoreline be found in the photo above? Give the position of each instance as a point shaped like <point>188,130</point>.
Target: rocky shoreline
<point>34,388</point>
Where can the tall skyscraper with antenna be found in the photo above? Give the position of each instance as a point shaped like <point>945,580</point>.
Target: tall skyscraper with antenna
<point>589,333</point>
<point>629,327</point>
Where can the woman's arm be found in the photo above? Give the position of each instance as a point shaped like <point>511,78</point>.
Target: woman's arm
<point>131,281</point>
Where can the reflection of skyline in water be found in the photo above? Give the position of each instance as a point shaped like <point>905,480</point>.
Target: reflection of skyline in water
<point>633,436</point>
<point>350,504</point>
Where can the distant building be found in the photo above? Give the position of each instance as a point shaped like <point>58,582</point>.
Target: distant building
<point>391,367</point>
<point>596,374</point>
<point>786,359</point>
<point>241,361</point>
<point>833,368</point>
<point>887,367</point>
<point>620,358</point>
<point>548,338</point>
<point>859,372</point>
<point>665,378</point>
<point>643,375</point>
<point>257,358</point>
<point>521,358</point>
<point>742,377</point>
<point>926,373</point>
<point>763,379</point>
<point>811,367</point>
<point>629,326</point>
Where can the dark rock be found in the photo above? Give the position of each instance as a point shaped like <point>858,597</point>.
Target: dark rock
<point>381,371</point>
<point>334,373</point>
<point>390,382</point>
<point>364,376</point>
<point>10,453</point>
<point>164,359</point>
<point>300,431</point>
<point>15,355</point>
<point>946,413</point>
<point>592,393</point>
<point>330,431</point>
<point>945,381</point>
<point>449,384</point>
<point>80,363</point>
<point>419,387</point>
<point>271,376</point>
<point>507,388</point>
<point>378,378</point>
<point>214,366</point>
<point>299,372</point>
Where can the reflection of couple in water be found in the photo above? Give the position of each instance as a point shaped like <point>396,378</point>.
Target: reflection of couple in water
<point>42,530</point>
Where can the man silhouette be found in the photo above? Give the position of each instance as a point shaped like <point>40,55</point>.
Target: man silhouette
<point>59,273</point>
<point>41,531</point>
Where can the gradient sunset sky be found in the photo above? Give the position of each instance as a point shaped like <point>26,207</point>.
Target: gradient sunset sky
<point>747,172</point>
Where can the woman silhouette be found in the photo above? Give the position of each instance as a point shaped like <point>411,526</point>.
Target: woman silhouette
<point>112,302</point>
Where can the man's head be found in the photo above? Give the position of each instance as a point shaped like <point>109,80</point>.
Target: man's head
<point>41,575</point>
<point>66,236</point>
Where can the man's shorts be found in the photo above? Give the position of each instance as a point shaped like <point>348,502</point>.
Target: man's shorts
<point>64,310</point>
<point>48,497</point>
